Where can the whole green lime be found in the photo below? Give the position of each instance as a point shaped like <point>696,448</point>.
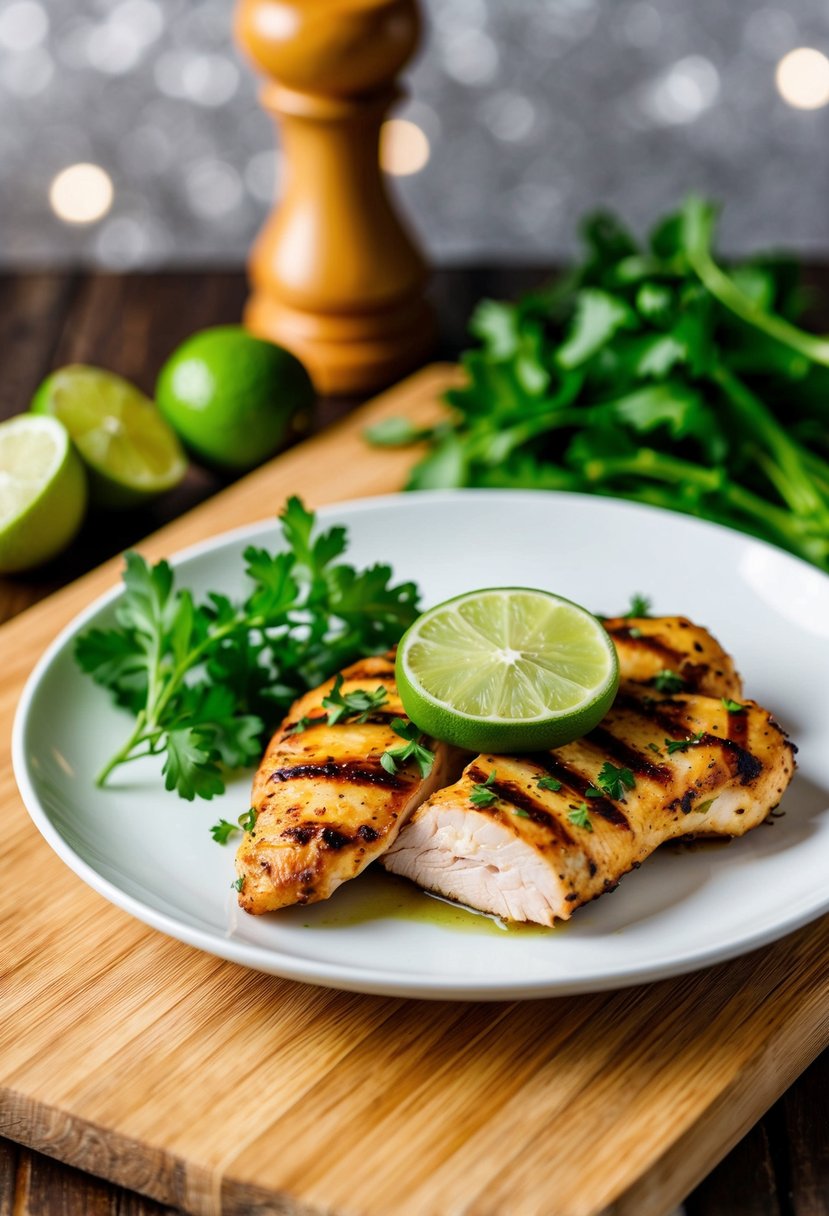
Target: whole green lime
<point>233,399</point>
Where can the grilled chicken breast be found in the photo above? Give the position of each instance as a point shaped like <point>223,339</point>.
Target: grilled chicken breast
<point>535,853</point>
<point>325,807</point>
<point>526,857</point>
<point>648,645</point>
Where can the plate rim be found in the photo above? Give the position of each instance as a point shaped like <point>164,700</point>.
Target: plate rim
<point>364,978</point>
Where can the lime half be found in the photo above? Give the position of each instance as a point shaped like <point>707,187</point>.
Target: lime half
<point>42,492</point>
<point>508,669</point>
<point>131,452</point>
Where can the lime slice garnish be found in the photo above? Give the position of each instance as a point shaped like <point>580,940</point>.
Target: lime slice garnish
<point>42,491</point>
<point>130,450</point>
<point>507,669</point>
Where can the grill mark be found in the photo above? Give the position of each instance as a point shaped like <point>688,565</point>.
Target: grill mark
<point>603,807</point>
<point>653,644</point>
<point>349,771</point>
<point>367,672</point>
<point>628,756</point>
<point>747,765</point>
<point>334,839</point>
<point>738,728</point>
<point>508,791</point>
<point>379,717</point>
<point>694,675</point>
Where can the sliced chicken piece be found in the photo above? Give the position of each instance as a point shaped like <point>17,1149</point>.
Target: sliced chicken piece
<point>649,645</point>
<point>536,853</point>
<point>325,806</point>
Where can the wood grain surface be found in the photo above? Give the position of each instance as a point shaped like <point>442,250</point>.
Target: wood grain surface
<point>211,1089</point>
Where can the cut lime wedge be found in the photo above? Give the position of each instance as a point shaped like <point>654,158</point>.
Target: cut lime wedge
<point>42,491</point>
<point>131,452</point>
<point>507,669</point>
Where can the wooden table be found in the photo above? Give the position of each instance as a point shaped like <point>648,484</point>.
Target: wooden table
<point>129,323</point>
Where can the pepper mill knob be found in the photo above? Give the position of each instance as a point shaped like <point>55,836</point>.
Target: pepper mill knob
<point>334,275</point>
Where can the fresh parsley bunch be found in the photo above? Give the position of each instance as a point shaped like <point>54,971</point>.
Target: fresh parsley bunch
<point>649,373</point>
<point>205,682</point>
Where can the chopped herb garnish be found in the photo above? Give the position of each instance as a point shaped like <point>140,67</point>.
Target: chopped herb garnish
<point>614,781</point>
<point>705,806</point>
<point>635,632</point>
<point>300,725</point>
<point>247,821</point>
<point>682,745</point>
<point>580,816</point>
<point>654,748</point>
<point>668,681</point>
<point>359,704</point>
<point>592,792</point>
<point>640,605</point>
<point>733,707</point>
<point>516,810</point>
<point>549,783</point>
<point>222,831</point>
<point>239,883</point>
<point>414,749</point>
<point>482,795</point>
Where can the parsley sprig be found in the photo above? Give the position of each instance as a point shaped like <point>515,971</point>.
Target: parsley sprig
<point>203,681</point>
<point>359,704</point>
<point>413,749</point>
<point>649,372</point>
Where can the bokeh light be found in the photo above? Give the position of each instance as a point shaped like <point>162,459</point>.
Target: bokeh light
<point>802,78</point>
<point>81,194</point>
<point>404,148</point>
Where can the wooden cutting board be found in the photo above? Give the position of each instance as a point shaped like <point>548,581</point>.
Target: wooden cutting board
<point>220,1090</point>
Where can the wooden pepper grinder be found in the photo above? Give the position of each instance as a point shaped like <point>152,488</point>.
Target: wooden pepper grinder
<point>335,277</point>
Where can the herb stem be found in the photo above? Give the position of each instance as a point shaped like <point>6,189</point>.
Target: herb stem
<point>124,754</point>
<point>698,222</point>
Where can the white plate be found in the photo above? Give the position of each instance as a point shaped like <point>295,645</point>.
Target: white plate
<point>152,854</point>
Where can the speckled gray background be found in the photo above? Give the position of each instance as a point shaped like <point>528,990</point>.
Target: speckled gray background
<point>534,109</point>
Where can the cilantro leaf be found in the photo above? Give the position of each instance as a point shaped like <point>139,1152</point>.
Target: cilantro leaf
<point>190,766</point>
<point>640,606</point>
<point>482,795</point>
<point>733,707</point>
<point>359,704</point>
<point>597,318</point>
<point>414,750</point>
<point>222,831</point>
<point>614,781</point>
<point>682,745</point>
<point>549,783</point>
<point>580,816</point>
